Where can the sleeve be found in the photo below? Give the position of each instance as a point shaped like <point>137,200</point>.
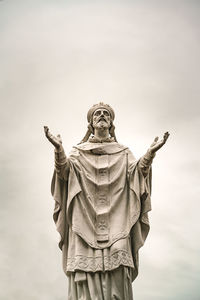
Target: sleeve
<point>61,164</point>
<point>140,184</point>
<point>145,162</point>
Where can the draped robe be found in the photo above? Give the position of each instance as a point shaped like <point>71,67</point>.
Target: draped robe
<point>102,200</point>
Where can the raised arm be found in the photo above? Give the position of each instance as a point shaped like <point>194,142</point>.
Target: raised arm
<point>146,160</point>
<point>61,161</point>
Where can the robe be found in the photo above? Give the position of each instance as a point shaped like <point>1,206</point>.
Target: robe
<point>102,200</point>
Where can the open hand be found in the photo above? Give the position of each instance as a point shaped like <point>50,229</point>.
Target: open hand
<point>156,145</point>
<point>55,140</point>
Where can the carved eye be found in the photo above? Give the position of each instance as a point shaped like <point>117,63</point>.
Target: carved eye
<point>97,113</point>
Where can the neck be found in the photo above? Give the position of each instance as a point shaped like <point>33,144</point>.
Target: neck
<point>101,133</point>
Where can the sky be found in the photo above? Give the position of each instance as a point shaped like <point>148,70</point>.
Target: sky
<point>57,59</point>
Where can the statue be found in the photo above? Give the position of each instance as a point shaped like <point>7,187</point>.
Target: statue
<point>102,200</point>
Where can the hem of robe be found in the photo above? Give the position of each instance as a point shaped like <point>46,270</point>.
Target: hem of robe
<point>80,274</point>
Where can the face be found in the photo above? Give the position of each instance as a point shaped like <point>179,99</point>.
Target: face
<point>101,119</point>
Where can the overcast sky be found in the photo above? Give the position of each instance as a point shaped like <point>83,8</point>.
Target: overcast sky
<point>57,58</point>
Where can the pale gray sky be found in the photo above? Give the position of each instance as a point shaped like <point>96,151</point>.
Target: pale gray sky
<point>57,58</point>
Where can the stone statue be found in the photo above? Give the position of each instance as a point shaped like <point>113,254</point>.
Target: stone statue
<point>102,200</point>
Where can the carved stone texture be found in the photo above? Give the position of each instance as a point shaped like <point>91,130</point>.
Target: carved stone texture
<point>102,200</point>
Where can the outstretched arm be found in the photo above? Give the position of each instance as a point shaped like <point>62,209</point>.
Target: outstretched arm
<point>61,161</point>
<point>146,160</point>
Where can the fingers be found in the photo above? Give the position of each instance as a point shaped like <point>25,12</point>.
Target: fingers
<point>46,129</point>
<point>166,135</point>
<point>154,141</point>
<point>48,133</point>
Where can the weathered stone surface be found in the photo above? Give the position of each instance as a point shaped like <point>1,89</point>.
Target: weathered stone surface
<point>102,200</point>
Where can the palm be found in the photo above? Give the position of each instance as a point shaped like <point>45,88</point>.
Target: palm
<point>55,140</point>
<point>156,145</point>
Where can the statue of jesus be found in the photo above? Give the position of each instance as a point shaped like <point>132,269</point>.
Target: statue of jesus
<point>102,200</point>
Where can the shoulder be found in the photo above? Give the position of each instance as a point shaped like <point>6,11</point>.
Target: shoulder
<point>74,152</point>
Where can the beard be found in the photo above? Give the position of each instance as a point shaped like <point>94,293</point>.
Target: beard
<point>101,124</point>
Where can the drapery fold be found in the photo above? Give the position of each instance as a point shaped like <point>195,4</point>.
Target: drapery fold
<point>101,286</point>
<point>126,211</point>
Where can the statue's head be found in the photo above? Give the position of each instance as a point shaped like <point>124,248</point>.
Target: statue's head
<point>97,107</point>
<point>100,115</point>
<point>101,119</point>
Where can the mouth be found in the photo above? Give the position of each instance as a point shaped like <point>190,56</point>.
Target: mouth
<point>101,119</point>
